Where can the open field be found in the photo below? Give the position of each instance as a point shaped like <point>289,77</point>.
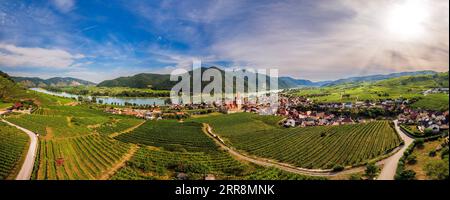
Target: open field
<point>13,146</point>
<point>310,147</point>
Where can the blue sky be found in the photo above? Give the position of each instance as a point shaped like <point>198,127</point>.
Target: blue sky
<point>317,40</point>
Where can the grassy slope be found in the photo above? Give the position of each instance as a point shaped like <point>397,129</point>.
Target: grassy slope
<point>407,87</point>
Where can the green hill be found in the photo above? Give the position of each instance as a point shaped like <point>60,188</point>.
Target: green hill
<point>11,92</point>
<point>410,87</point>
<point>53,82</point>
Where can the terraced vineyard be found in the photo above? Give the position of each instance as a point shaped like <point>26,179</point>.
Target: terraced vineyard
<point>276,174</point>
<point>184,148</point>
<point>162,164</point>
<point>310,147</point>
<point>114,125</point>
<point>170,135</point>
<point>83,157</point>
<point>70,121</point>
<point>13,146</point>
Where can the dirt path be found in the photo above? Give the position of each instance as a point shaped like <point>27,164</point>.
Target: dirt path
<point>390,165</point>
<point>113,135</point>
<point>28,164</point>
<point>120,164</point>
<point>284,166</point>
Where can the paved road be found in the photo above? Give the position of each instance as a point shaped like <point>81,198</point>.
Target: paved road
<point>28,164</point>
<point>390,164</point>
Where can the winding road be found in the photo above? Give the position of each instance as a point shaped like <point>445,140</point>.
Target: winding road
<point>387,173</point>
<point>390,164</point>
<point>28,164</point>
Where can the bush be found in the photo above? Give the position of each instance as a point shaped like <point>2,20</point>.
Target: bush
<point>419,143</point>
<point>371,171</point>
<point>411,159</point>
<point>338,168</point>
<point>355,177</point>
<point>406,175</point>
<point>432,153</point>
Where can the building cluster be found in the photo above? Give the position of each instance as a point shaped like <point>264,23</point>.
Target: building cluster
<point>312,118</point>
<point>434,121</point>
<point>436,90</point>
<point>151,114</point>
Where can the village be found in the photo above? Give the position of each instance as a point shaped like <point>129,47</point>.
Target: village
<point>297,111</point>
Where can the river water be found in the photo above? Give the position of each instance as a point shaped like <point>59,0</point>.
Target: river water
<point>109,100</point>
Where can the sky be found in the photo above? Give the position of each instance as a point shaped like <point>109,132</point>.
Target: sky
<point>309,39</point>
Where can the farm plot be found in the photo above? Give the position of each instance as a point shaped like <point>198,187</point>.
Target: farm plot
<point>70,121</point>
<point>171,135</point>
<point>78,158</point>
<point>311,147</point>
<point>13,146</point>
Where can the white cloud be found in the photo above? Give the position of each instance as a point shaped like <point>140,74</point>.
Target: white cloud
<point>13,56</point>
<point>64,5</point>
<point>353,40</point>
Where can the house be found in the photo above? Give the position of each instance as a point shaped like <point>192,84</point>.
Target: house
<point>434,128</point>
<point>289,123</point>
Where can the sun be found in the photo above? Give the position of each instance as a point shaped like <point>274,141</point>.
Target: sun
<point>406,20</point>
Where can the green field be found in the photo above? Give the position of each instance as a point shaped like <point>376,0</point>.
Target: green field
<point>408,87</point>
<point>432,102</point>
<point>311,147</point>
<point>13,147</point>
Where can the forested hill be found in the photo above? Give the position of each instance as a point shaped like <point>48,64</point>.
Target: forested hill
<point>55,81</point>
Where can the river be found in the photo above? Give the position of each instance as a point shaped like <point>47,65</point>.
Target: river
<point>109,100</point>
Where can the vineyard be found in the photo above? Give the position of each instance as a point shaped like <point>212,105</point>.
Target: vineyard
<point>13,146</point>
<point>175,148</point>
<point>277,174</point>
<point>171,135</point>
<point>70,121</point>
<point>83,157</point>
<point>162,164</point>
<point>311,147</point>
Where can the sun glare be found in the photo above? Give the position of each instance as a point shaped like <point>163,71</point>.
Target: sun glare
<point>406,20</point>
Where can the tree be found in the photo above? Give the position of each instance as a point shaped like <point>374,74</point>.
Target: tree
<point>407,175</point>
<point>411,159</point>
<point>371,171</point>
<point>419,143</point>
